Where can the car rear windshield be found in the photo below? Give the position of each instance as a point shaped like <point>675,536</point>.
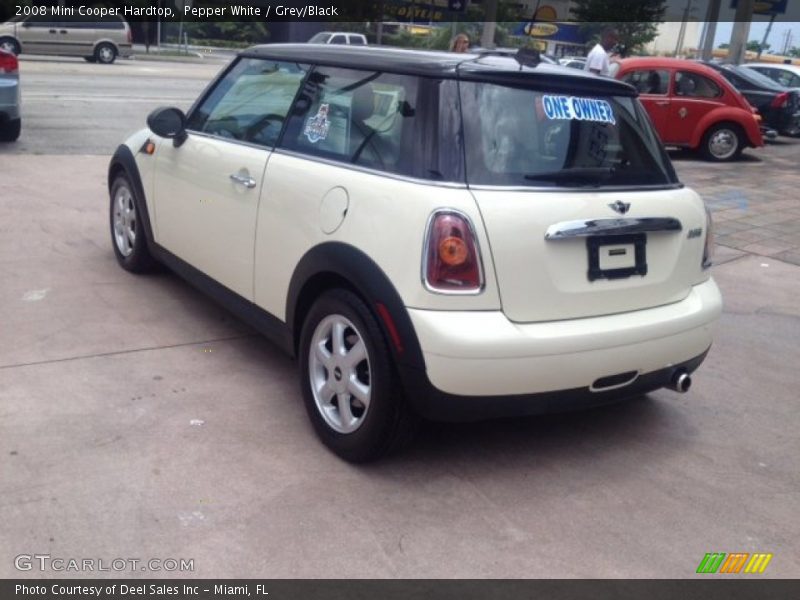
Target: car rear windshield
<point>757,79</point>
<point>524,137</point>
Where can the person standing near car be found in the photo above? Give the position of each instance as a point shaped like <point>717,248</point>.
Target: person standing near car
<point>597,62</point>
<point>460,43</point>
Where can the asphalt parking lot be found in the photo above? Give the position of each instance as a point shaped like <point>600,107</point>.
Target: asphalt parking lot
<point>138,420</point>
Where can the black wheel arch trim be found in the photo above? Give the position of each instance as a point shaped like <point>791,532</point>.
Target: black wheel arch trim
<point>123,159</point>
<point>347,263</point>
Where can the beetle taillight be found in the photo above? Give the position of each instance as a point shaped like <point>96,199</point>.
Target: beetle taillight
<point>451,259</point>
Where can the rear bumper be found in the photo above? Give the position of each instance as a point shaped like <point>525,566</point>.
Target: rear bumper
<point>479,364</point>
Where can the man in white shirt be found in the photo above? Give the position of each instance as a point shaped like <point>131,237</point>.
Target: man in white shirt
<point>597,61</point>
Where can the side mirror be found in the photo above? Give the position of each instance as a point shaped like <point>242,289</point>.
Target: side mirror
<point>169,123</point>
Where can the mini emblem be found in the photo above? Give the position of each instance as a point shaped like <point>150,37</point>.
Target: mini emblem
<point>620,206</point>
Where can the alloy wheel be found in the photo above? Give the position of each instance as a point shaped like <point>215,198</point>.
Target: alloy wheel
<point>339,373</point>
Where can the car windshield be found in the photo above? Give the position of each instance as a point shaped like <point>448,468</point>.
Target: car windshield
<point>320,38</point>
<point>523,137</point>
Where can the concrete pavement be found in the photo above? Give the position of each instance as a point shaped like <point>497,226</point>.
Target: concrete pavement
<point>139,420</point>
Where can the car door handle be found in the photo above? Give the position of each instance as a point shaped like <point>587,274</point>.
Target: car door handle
<point>52,31</point>
<point>662,102</point>
<point>64,31</point>
<point>244,180</point>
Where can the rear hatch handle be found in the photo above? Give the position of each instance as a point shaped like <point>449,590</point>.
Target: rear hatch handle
<point>590,227</point>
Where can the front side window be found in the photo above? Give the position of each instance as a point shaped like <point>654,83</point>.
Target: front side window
<point>525,137</point>
<point>648,81</point>
<point>250,103</point>
<point>693,85</point>
<point>338,39</point>
<point>359,117</point>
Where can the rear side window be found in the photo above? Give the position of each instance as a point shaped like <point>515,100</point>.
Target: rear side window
<point>110,23</point>
<point>359,117</point>
<point>649,81</point>
<point>524,137</point>
<point>693,85</point>
<point>250,103</point>
<point>357,40</point>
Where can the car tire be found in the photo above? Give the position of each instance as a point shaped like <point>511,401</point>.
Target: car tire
<point>128,237</point>
<point>105,53</point>
<point>10,130</point>
<point>344,357</point>
<point>723,141</point>
<point>9,44</point>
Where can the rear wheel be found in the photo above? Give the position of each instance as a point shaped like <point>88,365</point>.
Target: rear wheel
<point>127,232</point>
<point>10,130</point>
<point>10,45</point>
<point>348,382</point>
<point>723,141</point>
<point>105,53</point>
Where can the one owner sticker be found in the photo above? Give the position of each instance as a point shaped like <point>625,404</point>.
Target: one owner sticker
<point>573,108</point>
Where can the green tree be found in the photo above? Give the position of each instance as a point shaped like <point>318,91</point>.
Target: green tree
<point>795,51</point>
<point>635,20</point>
<point>755,46</point>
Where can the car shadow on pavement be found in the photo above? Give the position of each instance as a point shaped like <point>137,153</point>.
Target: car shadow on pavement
<point>591,435</point>
<point>681,155</point>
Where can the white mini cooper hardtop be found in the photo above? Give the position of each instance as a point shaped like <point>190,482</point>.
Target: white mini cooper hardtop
<point>440,235</point>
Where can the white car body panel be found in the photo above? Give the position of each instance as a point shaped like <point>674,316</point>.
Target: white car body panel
<point>483,353</point>
<point>203,216</point>
<point>384,214</point>
<point>543,280</point>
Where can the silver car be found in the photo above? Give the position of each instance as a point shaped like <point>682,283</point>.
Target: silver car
<point>10,121</point>
<point>98,41</point>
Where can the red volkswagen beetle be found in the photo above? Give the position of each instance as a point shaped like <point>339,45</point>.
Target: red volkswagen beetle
<point>693,106</point>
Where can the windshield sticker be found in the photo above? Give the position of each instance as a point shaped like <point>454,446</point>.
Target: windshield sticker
<point>318,126</point>
<point>572,108</point>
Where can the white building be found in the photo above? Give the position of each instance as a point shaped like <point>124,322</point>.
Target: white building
<point>669,33</point>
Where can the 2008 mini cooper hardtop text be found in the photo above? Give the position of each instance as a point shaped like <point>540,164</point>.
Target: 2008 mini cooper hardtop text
<point>438,235</point>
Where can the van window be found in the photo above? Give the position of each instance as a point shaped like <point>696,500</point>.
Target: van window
<point>359,117</point>
<point>250,102</point>
<point>524,137</point>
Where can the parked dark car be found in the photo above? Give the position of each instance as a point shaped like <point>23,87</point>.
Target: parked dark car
<point>778,105</point>
<point>10,123</point>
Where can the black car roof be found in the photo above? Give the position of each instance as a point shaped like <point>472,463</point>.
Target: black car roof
<point>476,67</point>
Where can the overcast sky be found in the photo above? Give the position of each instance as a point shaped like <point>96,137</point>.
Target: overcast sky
<point>757,30</point>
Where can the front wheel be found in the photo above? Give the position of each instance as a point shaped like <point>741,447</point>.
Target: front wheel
<point>723,141</point>
<point>127,233</point>
<point>105,54</point>
<point>348,381</point>
<point>10,45</point>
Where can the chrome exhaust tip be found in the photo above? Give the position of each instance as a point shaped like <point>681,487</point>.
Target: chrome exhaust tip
<point>681,382</point>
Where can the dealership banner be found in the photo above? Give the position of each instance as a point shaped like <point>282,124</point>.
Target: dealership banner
<point>417,11</point>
